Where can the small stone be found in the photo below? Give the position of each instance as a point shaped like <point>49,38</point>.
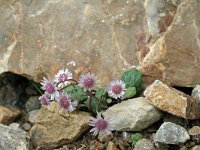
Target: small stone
<point>32,103</point>
<point>194,132</point>
<point>170,133</point>
<point>172,101</point>
<point>196,92</point>
<point>144,144</point>
<point>111,146</point>
<point>53,129</point>
<point>26,126</point>
<point>99,145</point>
<point>8,114</point>
<point>13,138</point>
<point>132,115</point>
<point>104,137</point>
<point>14,125</point>
<point>32,115</point>
<point>196,147</point>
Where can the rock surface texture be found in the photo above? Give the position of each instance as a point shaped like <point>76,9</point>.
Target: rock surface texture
<point>170,133</point>
<point>132,115</point>
<point>174,56</point>
<point>52,129</point>
<point>12,138</point>
<point>75,34</point>
<point>172,101</point>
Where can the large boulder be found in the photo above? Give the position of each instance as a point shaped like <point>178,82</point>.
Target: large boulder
<point>174,57</point>
<point>37,38</point>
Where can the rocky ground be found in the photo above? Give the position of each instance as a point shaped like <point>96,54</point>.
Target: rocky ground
<point>139,125</point>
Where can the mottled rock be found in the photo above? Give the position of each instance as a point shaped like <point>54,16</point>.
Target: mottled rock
<point>26,126</point>
<point>14,125</point>
<point>196,92</point>
<point>144,144</point>
<point>161,62</point>
<point>97,34</point>
<point>13,138</point>
<point>32,103</point>
<point>170,133</point>
<point>8,114</point>
<point>53,129</point>
<point>132,115</point>
<point>172,101</point>
<point>32,115</point>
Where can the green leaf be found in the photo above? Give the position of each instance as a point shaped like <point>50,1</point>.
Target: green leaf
<point>77,93</point>
<point>135,138</point>
<point>132,78</point>
<point>130,92</point>
<point>109,101</point>
<point>100,93</point>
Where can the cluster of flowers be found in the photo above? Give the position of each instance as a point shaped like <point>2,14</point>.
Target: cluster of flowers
<point>54,91</point>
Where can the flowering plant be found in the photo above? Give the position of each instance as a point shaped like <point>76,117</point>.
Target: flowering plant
<point>71,94</point>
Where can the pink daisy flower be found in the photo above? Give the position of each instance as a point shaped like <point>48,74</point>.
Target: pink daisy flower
<point>65,103</point>
<point>62,78</point>
<point>45,99</point>
<point>50,88</point>
<point>87,81</point>
<point>100,124</point>
<point>116,89</point>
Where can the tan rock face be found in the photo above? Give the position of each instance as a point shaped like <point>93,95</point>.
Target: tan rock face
<point>8,114</point>
<point>52,129</point>
<point>174,57</point>
<point>172,101</point>
<point>40,37</point>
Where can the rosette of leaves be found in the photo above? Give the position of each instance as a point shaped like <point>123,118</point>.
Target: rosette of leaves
<point>133,80</point>
<point>98,99</point>
<point>135,138</point>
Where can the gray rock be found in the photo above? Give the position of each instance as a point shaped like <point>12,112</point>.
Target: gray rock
<point>196,92</point>
<point>196,147</point>
<point>170,133</point>
<point>12,138</point>
<point>32,103</point>
<point>132,115</point>
<point>26,126</point>
<point>14,125</point>
<point>53,129</point>
<point>144,144</point>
